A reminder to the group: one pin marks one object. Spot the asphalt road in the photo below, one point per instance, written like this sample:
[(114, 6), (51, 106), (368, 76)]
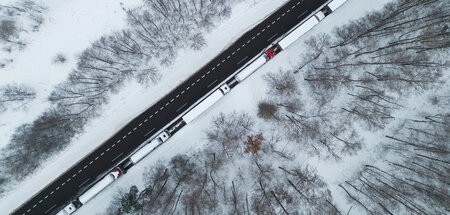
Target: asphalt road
[(92, 167)]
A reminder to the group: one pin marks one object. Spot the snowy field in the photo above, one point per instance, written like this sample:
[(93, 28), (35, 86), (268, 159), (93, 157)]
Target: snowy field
[(244, 97), (88, 21)]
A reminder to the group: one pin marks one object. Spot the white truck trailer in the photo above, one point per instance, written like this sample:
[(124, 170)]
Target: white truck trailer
[(298, 32), (205, 104), (145, 150), (91, 192), (99, 186), (252, 67), (333, 5)]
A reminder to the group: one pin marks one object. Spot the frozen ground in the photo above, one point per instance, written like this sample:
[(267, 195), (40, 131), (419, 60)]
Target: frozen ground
[(244, 98), (69, 35)]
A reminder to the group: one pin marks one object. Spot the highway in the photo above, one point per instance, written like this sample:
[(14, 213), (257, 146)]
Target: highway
[(95, 165)]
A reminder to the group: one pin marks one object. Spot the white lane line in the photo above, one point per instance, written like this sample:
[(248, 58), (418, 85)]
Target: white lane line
[(86, 165), (238, 49), (140, 124), (40, 201), (113, 145), (84, 183), (68, 179), (243, 45), (30, 210), (198, 80), (273, 22), (278, 18), (233, 53), (283, 14), (117, 157), (288, 11), (161, 108), (63, 183), (293, 7), (213, 68), (187, 88), (228, 57), (182, 92), (272, 37), (211, 83), (177, 96), (253, 37), (172, 100), (118, 141), (74, 175), (51, 193), (258, 34), (48, 209), (263, 30), (134, 129), (268, 26), (146, 120), (193, 83), (129, 133), (149, 132), (224, 59), (302, 14), (34, 206), (124, 137), (57, 188), (218, 64), (79, 171), (208, 72), (102, 154), (46, 197), (91, 162), (242, 60), (298, 3), (248, 41), (181, 107), (96, 158)]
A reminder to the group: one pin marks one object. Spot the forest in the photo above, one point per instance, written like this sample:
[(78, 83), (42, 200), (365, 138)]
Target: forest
[(384, 74)]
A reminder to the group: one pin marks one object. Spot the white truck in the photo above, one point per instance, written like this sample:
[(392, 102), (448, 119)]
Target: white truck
[(298, 32), (91, 192), (145, 150), (249, 69), (206, 103), (333, 5)]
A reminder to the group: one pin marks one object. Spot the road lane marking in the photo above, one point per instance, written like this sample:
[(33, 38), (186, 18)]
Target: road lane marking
[(116, 157), (129, 133), (146, 120), (84, 183), (91, 162), (302, 14), (149, 132), (140, 124), (211, 83), (242, 60), (113, 145), (102, 154), (181, 107), (272, 37), (48, 209)]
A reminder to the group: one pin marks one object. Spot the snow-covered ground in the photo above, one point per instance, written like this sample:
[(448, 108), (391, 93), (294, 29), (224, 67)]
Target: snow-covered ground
[(244, 97), (71, 27)]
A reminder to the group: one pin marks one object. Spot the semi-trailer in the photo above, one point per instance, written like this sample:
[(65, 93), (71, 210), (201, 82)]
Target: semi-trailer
[(91, 192), (298, 32), (333, 5), (250, 68)]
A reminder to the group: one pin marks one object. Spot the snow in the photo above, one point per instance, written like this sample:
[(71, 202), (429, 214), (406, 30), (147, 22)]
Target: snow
[(192, 136), (87, 22), (69, 28)]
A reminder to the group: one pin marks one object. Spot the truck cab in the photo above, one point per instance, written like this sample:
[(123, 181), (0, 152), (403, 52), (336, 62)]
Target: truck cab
[(272, 51), (69, 209)]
